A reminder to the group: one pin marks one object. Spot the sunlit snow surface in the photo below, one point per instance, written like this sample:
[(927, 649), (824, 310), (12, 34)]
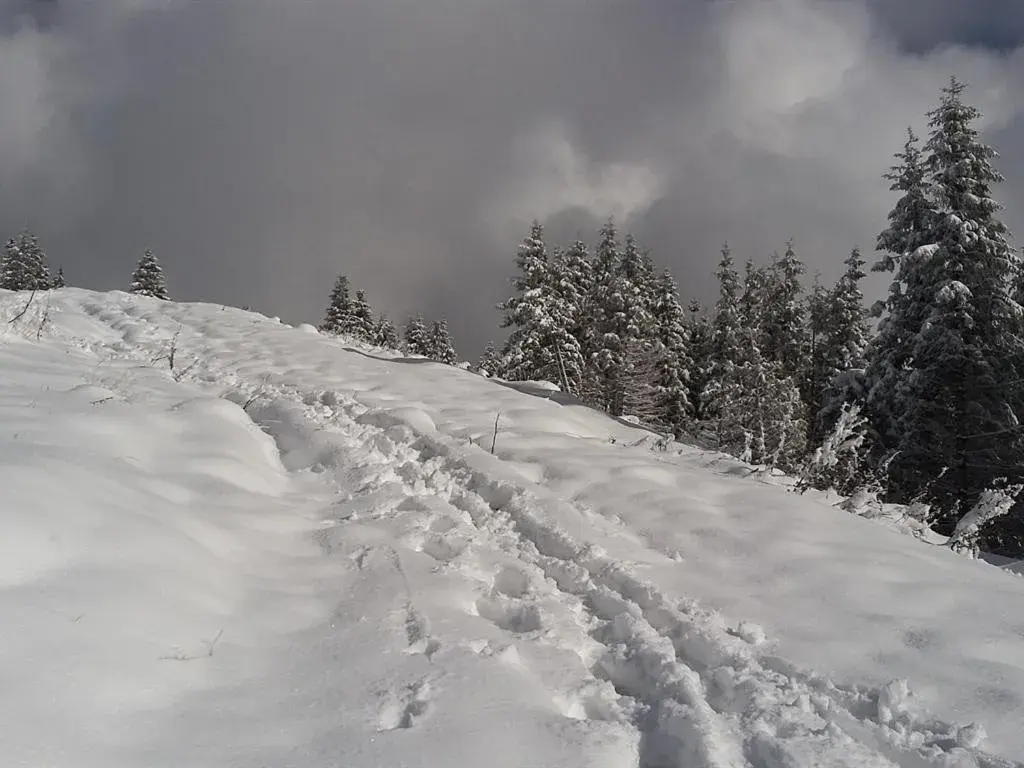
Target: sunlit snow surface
[(340, 573)]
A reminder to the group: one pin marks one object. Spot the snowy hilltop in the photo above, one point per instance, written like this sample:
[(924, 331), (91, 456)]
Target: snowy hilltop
[(231, 542)]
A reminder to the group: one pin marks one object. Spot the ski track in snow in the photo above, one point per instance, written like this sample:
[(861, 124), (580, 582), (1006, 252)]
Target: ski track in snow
[(699, 693)]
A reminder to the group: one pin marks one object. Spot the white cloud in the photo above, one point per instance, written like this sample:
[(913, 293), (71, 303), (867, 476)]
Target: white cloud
[(553, 175)]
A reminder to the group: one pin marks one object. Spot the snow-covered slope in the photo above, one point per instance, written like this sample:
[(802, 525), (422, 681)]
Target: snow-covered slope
[(285, 552)]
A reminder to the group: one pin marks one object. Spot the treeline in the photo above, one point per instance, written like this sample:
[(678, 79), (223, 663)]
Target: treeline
[(354, 317), (926, 411), (24, 267)]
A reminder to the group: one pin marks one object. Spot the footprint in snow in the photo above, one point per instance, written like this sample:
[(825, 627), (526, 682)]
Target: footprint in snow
[(403, 709)]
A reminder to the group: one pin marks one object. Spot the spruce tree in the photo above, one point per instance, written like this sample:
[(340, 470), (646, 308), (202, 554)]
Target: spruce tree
[(489, 363), (911, 226), (785, 340), (362, 324), (724, 352), (959, 431), (416, 337), (385, 335), (673, 363), (148, 278), (543, 315), (603, 347), (58, 279), (338, 317), (761, 417), (441, 347), (700, 336), (23, 266), (844, 343)]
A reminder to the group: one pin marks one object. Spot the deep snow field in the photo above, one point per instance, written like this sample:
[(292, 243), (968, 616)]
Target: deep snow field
[(289, 552)]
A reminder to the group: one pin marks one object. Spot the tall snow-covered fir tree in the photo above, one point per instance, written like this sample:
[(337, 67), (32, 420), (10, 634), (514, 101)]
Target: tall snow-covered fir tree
[(573, 279), (700, 360), (362, 324), (338, 317), (442, 349), (148, 278), (629, 334), (490, 361), (543, 316), (958, 430), (785, 330), (385, 335), (761, 418), (845, 344), (416, 337), (911, 226), (23, 265), (603, 347), (673, 364), (724, 348)]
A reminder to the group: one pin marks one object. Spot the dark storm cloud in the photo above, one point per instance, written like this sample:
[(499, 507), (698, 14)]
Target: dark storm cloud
[(261, 146)]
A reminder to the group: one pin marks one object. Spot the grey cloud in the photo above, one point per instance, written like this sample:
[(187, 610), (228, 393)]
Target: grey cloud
[(260, 146)]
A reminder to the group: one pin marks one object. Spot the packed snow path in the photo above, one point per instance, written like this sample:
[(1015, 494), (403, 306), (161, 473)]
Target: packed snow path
[(439, 605)]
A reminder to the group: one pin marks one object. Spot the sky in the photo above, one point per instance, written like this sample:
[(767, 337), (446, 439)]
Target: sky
[(261, 147)]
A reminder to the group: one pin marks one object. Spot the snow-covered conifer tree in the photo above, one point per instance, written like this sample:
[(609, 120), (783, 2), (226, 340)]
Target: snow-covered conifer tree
[(959, 427), (58, 279), (23, 266), (362, 323), (761, 419), (148, 278), (385, 335), (417, 337), (785, 331), (338, 317), (441, 347), (700, 341), (911, 226), (543, 314), (489, 363), (674, 362), (845, 340), (724, 351)]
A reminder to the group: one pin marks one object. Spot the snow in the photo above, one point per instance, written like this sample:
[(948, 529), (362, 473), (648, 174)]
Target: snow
[(285, 552)]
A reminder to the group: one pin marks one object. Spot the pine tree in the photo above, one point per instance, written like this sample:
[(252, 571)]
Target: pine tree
[(754, 300), (959, 431), (785, 340), (700, 334), (603, 347), (148, 278), (912, 217), (761, 417), (23, 266), (385, 335), (911, 226), (416, 337), (338, 318), (674, 362), (441, 347), (489, 363), (362, 324), (58, 279), (820, 371), (724, 351), (543, 314)]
